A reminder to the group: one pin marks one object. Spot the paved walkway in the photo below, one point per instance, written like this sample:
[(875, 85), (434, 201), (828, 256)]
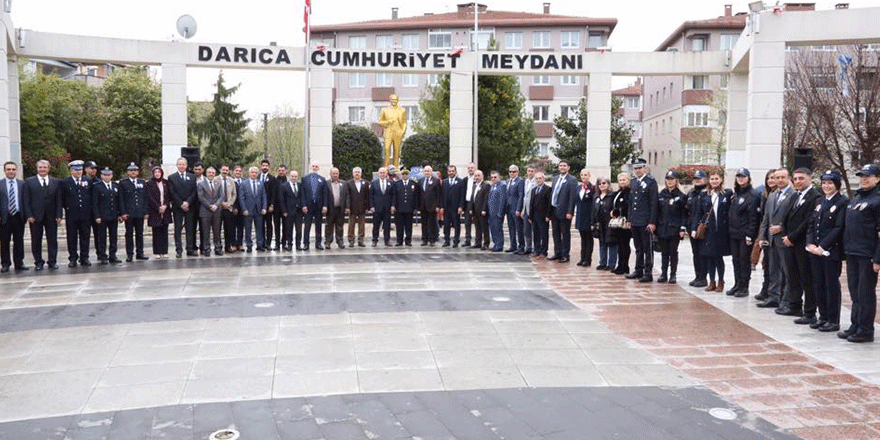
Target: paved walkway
[(409, 343)]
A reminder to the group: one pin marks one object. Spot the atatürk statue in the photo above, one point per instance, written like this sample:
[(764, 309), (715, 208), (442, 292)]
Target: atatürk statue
[(393, 120)]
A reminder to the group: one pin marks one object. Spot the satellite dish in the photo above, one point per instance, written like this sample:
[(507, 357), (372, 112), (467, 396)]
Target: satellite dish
[(186, 26)]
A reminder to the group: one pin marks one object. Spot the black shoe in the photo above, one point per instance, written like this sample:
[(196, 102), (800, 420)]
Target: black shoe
[(829, 327), (700, 283), (564, 260), (319, 247), (114, 260), (446, 244), (179, 254), (692, 282), (38, 266), (663, 278), (646, 279), (361, 244), (467, 243), (484, 248), (672, 280), (553, 258), (455, 243), (52, 266), (85, 263), (579, 263), (806, 320), (388, 243), (843, 334), (768, 304), (815, 325), (142, 258), (396, 244), (375, 243), (860, 337), (4, 269), (633, 276), (761, 297), (424, 243), (71, 264), (249, 249), (103, 262), (788, 311), (192, 254), (601, 267), (341, 246), (432, 243), (502, 250), (21, 268), (509, 250), (476, 246), (218, 252), (741, 293)]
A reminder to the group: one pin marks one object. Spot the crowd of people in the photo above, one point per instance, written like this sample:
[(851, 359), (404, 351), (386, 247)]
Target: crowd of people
[(804, 236)]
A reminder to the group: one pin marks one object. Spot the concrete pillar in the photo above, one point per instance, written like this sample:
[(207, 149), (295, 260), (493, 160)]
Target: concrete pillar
[(14, 114), (5, 146), (320, 120), (461, 119), (599, 125), (765, 101), (174, 114), (737, 116)]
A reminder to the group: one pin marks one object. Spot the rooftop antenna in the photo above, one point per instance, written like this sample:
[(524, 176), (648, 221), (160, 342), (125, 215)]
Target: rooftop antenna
[(186, 26)]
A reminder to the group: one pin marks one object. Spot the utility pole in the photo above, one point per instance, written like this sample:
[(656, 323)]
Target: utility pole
[(265, 136)]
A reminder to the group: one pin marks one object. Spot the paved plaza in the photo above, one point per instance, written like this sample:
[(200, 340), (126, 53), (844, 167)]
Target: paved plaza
[(412, 343)]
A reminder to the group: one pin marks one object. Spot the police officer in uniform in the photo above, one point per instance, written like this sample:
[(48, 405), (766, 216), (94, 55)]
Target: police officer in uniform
[(672, 205), (105, 202), (76, 196), (405, 200), (862, 248), (825, 247), (745, 219), (133, 209), (700, 182), (643, 217), (90, 173)]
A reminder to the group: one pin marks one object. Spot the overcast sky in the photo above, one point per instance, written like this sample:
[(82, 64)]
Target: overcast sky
[(642, 25)]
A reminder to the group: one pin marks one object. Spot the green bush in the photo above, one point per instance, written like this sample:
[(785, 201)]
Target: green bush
[(430, 147), (355, 146)]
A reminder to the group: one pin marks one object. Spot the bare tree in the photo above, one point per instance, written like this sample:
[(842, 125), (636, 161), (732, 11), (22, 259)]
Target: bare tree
[(285, 136)]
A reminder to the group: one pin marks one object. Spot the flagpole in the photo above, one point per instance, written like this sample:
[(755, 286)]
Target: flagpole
[(476, 50), (307, 15)]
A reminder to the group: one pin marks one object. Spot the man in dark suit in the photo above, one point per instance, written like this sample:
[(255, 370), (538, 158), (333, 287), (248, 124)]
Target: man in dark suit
[(42, 209), (357, 192), (76, 195), (106, 211), (776, 209), (515, 191), (496, 209), (253, 206), (237, 217), (381, 203), (481, 217), (229, 195), (184, 199), (429, 206), (133, 209), (210, 211), (450, 193), (540, 211), (643, 209), (314, 204), (198, 170), (801, 300), (406, 200), (277, 215), (563, 198), (466, 203), (291, 210), (271, 186), (12, 219)]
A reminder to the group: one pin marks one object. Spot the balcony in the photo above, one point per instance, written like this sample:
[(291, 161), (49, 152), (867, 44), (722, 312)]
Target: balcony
[(696, 97), (541, 93)]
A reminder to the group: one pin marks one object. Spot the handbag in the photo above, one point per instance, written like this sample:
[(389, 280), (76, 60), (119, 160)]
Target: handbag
[(703, 227), (617, 222), (755, 256), (655, 243)]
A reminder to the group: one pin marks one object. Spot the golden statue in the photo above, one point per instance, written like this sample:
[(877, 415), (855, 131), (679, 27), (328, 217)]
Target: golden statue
[(393, 120)]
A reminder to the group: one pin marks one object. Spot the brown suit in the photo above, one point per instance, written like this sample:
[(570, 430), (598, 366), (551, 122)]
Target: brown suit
[(358, 202)]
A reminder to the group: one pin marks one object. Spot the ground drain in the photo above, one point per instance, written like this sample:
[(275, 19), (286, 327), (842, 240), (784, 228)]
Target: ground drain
[(722, 413), (224, 434)]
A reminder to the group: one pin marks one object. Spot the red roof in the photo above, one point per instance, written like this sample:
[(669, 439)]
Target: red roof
[(632, 90), (466, 20), (733, 22)]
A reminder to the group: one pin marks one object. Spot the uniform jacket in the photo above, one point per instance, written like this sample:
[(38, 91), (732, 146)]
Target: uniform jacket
[(862, 225), (825, 228), (566, 197), (406, 196), (4, 199), (798, 217), (745, 213), (106, 203), (358, 201), (717, 242), (497, 204), (429, 198), (313, 192), (252, 202), (585, 202), (692, 200), (76, 195), (132, 198), (643, 201), (183, 189), (380, 201), (673, 213)]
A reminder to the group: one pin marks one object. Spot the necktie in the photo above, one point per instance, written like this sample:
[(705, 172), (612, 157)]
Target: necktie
[(383, 186), (426, 184), (43, 182), (254, 186), (13, 207), (108, 186), (211, 184), (556, 188), (294, 189)]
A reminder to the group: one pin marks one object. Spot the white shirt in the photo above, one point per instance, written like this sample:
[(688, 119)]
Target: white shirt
[(470, 189)]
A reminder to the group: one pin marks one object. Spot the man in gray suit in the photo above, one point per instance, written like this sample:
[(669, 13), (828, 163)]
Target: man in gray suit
[(210, 210), (523, 211), (781, 256), (253, 207)]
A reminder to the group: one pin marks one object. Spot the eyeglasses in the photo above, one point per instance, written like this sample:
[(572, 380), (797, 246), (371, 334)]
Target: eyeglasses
[(512, 171)]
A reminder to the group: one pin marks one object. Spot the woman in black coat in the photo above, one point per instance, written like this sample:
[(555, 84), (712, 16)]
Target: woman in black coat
[(825, 245), (671, 228), (745, 211), (601, 216), (159, 210), (620, 209), (713, 207), (583, 222)]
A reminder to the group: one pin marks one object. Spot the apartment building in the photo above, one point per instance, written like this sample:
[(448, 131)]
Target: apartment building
[(359, 97), (91, 74), (631, 109)]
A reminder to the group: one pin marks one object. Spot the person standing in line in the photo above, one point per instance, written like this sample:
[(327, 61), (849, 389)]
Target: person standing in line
[(563, 199), (289, 203), (337, 203), (825, 245), (229, 191), (643, 218), (211, 199), (253, 205), (237, 216), (671, 229), (466, 203), (199, 174), (276, 215), (601, 217), (106, 202), (540, 211), (584, 219), (381, 206), (450, 194), (77, 198), (714, 209), (765, 191), (183, 198), (133, 210), (43, 211), (523, 209), (159, 210), (429, 205), (480, 203), (12, 219), (778, 205), (314, 204), (801, 298), (405, 202), (496, 209), (270, 185), (744, 221), (515, 188), (621, 232), (700, 181), (357, 192)]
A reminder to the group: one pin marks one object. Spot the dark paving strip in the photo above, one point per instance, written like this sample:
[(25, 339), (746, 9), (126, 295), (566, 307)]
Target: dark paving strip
[(265, 259), (534, 413), (180, 309)]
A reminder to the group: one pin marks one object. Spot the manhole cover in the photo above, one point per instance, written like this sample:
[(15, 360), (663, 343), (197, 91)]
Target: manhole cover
[(264, 305), (722, 413), (501, 299), (224, 434)]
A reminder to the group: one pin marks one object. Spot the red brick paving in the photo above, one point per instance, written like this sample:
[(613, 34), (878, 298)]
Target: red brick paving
[(784, 386)]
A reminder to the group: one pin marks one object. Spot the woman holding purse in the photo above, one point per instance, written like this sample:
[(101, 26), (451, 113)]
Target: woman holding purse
[(159, 210), (671, 229), (601, 217), (619, 223), (584, 223), (713, 208)]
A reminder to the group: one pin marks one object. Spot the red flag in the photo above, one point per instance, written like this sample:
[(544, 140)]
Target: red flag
[(307, 12)]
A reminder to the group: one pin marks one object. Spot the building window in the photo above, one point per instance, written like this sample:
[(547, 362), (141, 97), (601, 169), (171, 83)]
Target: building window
[(384, 80), (570, 112), (439, 39), (871, 46), (543, 148), (596, 40), (822, 77), (433, 79), (411, 42), (824, 47), (356, 114), (357, 42), (483, 38), (384, 42), (412, 113), (410, 80), (700, 82), (632, 102), (663, 126), (92, 71), (541, 113), (326, 42), (513, 40), (541, 39), (698, 44), (357, 80), (377, 112), (697, 119), (540, 80), (698, 154), (570, 39), (664, 92), (728, 41), (569, 80), (725, 79)]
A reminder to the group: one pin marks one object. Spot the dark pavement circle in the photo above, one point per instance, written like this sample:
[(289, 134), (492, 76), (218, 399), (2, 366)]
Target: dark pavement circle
[(181, 309), (636, 413)]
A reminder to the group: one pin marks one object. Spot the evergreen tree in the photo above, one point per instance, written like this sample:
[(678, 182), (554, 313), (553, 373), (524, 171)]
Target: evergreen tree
[(225, 128), (571, 137)]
